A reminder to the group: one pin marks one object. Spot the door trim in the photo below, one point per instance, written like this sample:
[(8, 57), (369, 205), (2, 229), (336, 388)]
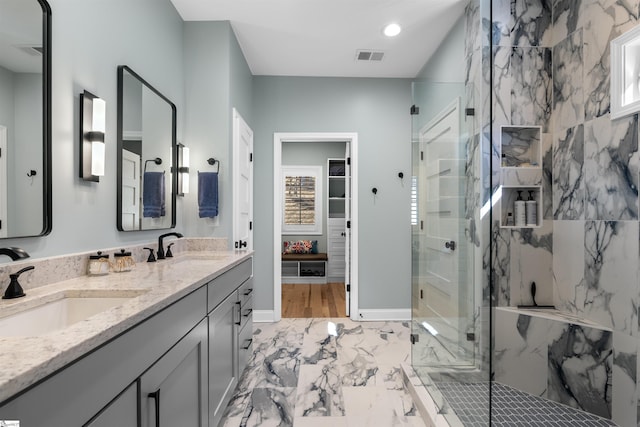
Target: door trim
[(278, 139)]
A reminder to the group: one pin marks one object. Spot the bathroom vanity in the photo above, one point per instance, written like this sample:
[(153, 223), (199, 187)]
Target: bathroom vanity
[(170, 354)]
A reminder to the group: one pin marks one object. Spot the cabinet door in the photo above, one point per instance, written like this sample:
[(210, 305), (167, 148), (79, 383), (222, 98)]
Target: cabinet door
[(222, 356), (173, 390), (121, 412)]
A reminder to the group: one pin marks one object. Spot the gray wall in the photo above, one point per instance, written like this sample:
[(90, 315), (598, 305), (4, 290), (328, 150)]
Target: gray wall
[(24, 213), (442, 78), (20, 104), (217, 79), (378, 110), (90, 39)]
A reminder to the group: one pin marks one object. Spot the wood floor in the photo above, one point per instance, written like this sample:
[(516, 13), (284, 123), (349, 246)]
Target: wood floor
[(313, 300)]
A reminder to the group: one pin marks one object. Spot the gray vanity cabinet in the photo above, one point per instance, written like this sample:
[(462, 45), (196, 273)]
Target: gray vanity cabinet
[(245, 329), (173, 391), (121, 412), (222, 366), (179, 366), (226, 295)]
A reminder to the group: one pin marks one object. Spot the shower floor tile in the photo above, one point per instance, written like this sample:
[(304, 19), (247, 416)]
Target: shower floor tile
[(511, 407)]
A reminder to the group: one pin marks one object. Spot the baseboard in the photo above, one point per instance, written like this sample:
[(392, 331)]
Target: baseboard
[(384, 314), (396, 314), (263, 316)]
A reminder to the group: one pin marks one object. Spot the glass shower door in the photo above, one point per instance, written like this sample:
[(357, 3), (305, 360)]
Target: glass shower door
[(443, 300)]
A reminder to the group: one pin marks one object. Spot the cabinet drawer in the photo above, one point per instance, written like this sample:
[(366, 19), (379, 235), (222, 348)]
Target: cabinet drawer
[(246, 292), (245, 313), (222, 286), (245, 347)]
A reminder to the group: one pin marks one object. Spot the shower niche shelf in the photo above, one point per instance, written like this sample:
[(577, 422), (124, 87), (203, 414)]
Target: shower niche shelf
[(507, 202), (520, 146)]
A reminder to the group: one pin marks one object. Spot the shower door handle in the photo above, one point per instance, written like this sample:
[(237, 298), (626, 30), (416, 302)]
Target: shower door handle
[(450, 245)]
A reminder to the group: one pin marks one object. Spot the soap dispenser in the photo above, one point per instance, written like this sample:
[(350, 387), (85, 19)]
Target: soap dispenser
[(519, 210), (531, 208)]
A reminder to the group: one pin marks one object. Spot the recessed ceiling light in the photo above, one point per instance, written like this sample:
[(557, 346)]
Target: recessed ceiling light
[(392, 30)]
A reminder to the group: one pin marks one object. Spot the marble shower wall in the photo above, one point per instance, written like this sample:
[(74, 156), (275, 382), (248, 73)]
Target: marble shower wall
[(552, 69), (522, 91)]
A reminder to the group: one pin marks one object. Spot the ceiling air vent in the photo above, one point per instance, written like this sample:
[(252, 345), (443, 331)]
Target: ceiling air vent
[(369, 55)]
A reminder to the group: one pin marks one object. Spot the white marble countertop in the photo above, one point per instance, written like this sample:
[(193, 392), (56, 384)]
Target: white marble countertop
[(151, 286)]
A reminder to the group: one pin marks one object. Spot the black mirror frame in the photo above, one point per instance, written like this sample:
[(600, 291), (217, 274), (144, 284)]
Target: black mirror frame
[(120, 145), (47, 178)]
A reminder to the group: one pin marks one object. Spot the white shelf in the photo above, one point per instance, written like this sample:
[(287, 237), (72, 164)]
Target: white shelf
[(507, 201)]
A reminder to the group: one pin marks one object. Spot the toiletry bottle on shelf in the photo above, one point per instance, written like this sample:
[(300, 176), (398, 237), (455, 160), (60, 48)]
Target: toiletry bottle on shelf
[(519, 209), (510, 222), (531, 209)]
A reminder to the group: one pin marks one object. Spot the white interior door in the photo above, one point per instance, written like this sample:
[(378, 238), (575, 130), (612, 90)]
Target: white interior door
[(242, 183), (3, 181), (130, 190), (441, 211), (347, 228)]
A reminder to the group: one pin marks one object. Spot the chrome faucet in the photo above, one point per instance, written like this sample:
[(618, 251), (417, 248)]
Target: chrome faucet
[(160, 254), (14, 253)]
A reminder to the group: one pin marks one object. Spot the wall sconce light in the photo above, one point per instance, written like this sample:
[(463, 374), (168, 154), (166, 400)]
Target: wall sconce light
[(92, 129), (183, 170)]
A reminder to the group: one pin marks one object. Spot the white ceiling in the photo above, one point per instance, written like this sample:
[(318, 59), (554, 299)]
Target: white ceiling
[(321, 37)]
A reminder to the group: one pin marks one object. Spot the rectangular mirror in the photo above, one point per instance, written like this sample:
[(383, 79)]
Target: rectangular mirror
[(147, 150), (25, 118)]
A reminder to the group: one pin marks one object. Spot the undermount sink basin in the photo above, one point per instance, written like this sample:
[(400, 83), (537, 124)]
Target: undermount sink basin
[(58, 314)]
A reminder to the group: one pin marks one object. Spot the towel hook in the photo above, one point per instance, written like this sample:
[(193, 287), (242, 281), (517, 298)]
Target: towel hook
[(213, 161), (157, 161)]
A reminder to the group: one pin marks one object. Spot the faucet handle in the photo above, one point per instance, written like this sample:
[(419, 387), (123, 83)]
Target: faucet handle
[(152, 257), (169, 254), (14, 290)]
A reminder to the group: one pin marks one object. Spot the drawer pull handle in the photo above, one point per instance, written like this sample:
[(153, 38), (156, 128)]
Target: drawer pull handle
[(249, 342), (239, 321), (248, 292), (156, 397), (248, 312)]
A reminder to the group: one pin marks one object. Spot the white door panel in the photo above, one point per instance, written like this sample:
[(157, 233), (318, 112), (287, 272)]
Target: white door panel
[(130, 190), (242, 183)]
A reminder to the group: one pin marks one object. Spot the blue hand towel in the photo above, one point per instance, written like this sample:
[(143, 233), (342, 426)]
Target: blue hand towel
[(208, 194), (153, 195)]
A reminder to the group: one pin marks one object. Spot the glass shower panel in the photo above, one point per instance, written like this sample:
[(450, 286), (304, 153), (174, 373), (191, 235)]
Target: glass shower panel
[(447, 263)]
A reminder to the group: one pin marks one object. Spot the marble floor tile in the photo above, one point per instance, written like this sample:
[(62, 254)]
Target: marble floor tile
[(270, 407), (325, 372), (320, 391), (320, 422)]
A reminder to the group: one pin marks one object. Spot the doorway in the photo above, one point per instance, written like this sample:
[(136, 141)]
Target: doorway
[(350, 227)]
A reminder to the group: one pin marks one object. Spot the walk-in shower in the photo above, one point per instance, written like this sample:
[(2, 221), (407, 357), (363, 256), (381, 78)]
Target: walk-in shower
[(511, 112)]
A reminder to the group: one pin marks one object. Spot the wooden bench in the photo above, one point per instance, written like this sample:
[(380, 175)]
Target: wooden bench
[(304, 268)]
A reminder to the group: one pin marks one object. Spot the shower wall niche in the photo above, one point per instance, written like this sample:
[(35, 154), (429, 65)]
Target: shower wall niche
[(520, 146)]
